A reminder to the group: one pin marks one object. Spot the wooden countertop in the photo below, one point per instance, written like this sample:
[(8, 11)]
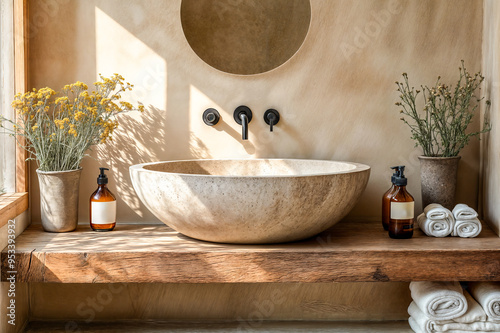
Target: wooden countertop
[(350, 251)]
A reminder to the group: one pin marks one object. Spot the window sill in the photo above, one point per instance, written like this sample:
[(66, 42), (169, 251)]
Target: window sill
[(12, 205)]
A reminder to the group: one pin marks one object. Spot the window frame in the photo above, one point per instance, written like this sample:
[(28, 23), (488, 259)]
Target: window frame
[(13, 204)]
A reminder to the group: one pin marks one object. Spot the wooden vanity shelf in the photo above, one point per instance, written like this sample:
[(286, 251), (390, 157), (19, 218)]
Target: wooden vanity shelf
[(214, 327), (350, 251)]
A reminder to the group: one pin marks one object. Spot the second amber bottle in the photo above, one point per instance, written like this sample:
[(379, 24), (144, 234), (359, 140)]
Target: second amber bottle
[(402, 208)]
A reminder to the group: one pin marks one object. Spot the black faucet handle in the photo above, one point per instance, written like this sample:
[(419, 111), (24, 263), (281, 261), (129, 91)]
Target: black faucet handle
[(211, 117), (271, 117)]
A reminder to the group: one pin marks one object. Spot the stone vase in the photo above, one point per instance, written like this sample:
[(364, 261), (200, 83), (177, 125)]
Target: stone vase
[(59, 199), (439, 180)]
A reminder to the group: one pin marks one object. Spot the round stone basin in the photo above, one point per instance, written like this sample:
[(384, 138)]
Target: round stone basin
[(250, 201)]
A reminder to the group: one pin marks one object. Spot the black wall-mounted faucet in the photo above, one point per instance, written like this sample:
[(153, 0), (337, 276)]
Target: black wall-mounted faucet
[(243, 115), (271, 117)]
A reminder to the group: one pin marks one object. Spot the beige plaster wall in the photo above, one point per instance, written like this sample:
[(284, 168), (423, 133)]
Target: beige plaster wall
[(336, 97), (491, 142)]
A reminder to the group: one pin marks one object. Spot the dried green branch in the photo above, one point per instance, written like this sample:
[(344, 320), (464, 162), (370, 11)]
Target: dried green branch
[(441, 128)]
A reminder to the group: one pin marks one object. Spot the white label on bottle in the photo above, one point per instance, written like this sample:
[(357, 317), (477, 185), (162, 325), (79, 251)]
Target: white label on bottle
[(103, 212), (402, 210)]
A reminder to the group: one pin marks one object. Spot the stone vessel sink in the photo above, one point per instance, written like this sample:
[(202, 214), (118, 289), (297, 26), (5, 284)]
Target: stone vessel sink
[(250, 201)]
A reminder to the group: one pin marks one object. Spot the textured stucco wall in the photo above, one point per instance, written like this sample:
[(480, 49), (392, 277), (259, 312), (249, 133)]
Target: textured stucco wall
[(336, 97), (491, 143)]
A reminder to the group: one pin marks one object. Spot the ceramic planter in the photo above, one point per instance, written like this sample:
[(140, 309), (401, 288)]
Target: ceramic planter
[(59, 199), (439, 180)]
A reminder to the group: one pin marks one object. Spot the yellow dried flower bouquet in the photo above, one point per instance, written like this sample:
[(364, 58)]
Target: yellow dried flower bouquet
[(60, 127)]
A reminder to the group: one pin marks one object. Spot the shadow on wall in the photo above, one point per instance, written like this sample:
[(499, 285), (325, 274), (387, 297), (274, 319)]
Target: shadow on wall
[(345, 79), (197, 148), (138, 139)]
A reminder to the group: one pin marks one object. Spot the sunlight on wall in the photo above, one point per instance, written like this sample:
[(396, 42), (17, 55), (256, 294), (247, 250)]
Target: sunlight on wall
[(119, 51), (491, 142), (224, 139), (7, 144)]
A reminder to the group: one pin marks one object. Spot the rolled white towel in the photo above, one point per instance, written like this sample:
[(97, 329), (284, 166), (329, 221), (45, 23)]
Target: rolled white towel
[(439, 300), (464, 212), (475, 313), (436, 228), (478, 327), (471, 329), (418, 326), (467, 228), (488, 295), (437, 212), (462, 331), (423, 322)]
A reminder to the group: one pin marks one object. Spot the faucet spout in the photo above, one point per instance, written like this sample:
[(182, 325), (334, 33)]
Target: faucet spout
[(243, 116), (244, 126)]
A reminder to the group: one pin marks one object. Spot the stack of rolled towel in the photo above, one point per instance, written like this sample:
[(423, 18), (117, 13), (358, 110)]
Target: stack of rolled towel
[(447, 307), (466, 222), (438, 221)]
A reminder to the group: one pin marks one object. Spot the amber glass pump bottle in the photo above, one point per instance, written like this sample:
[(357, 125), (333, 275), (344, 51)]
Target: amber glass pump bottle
[(402, 208), (386, 201), (102, 205)]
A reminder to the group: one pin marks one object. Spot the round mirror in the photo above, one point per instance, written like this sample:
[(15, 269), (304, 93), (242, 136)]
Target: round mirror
[(245, 36)]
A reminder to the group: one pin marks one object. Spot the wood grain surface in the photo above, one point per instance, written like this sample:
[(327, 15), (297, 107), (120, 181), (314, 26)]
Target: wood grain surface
[(21, 85), (222, 302), (12, 205), (268, 327), (355, 251)]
